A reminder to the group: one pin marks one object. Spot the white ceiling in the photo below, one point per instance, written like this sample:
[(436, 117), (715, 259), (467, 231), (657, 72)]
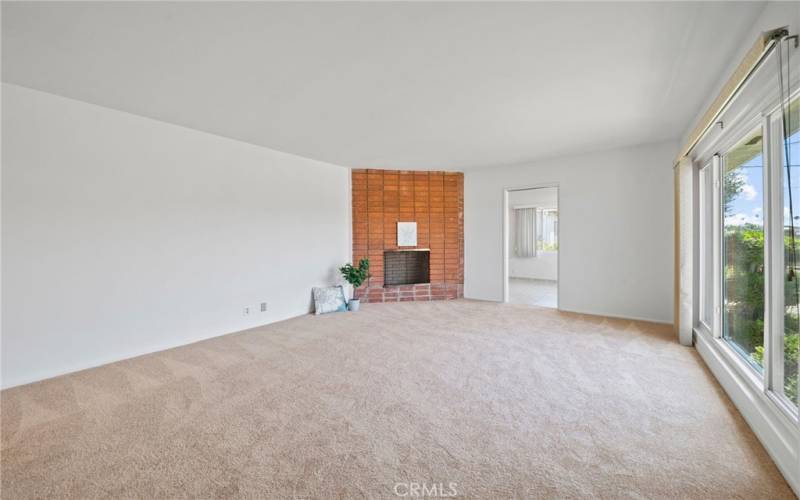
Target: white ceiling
[(392, 85)]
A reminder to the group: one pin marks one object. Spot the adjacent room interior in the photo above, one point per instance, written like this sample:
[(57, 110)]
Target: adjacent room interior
[(400, 250), (532, 247)]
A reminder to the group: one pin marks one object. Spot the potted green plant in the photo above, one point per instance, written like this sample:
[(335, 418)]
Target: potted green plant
[(355, 276)]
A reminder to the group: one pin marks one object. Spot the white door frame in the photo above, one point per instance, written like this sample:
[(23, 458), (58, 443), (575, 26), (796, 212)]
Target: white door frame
[(506, 235)]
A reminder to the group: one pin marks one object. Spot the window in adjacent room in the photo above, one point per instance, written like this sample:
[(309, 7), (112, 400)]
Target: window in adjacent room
[(547, 237)]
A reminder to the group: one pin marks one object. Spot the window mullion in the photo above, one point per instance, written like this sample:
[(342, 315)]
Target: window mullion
[(773, 276), (773, 342), (717, 246)]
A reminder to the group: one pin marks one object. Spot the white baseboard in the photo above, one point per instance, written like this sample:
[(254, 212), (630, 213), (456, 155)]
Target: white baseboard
[(617, 316), (31, 378), (590, 313), (528, 278), (777, 433)]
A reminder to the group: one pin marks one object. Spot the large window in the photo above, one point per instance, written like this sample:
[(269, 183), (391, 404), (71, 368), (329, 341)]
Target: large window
[(749, 249), (743, 248)]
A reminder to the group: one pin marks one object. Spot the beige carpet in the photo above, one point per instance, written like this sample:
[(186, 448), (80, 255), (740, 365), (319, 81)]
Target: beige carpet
[(505, 401)]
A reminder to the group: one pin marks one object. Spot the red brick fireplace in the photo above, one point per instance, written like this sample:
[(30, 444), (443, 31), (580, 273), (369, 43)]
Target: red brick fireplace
[(435, 201)]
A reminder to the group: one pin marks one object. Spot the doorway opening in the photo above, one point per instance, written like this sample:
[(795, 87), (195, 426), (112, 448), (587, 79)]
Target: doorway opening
[(532, 244)]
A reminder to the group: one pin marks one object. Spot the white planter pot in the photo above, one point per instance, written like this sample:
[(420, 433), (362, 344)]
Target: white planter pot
[(354, 304)]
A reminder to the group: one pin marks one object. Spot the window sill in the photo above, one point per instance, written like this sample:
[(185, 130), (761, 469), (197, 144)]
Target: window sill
[(745, 372)]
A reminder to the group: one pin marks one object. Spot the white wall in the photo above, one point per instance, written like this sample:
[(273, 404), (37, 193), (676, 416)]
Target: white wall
[(122, 235), (545, 265), (615, 219)]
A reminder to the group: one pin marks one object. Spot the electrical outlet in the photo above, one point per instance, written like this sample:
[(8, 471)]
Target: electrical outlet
[(246, 311), (263, 307)]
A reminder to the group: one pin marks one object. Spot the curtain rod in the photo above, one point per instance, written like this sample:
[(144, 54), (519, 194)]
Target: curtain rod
[(771, 38)]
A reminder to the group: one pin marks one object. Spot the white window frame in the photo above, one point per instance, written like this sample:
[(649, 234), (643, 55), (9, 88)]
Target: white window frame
[(743, 368), (774, 349), (706, 240), (716, 224), (757, 126)]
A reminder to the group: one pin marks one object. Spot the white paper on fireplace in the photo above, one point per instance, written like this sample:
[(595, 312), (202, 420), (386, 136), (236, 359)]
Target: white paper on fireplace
[(406, 234)]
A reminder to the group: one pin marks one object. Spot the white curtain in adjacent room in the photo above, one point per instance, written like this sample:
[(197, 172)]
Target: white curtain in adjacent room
[(525, 244)]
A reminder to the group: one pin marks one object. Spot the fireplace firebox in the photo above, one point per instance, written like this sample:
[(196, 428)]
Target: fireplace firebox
[(406, 267)]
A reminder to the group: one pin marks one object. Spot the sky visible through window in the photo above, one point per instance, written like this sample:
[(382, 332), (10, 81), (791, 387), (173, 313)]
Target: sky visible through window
[(748, 207), (794, 156)]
